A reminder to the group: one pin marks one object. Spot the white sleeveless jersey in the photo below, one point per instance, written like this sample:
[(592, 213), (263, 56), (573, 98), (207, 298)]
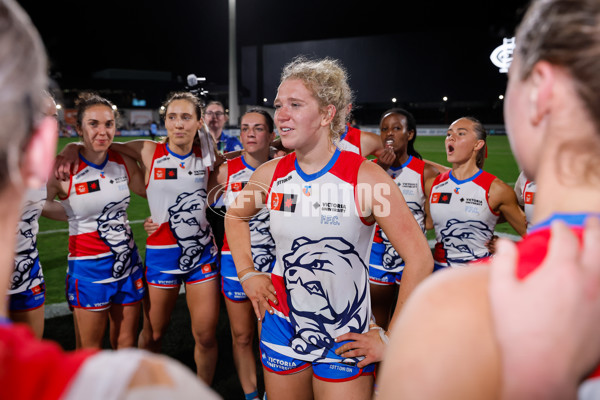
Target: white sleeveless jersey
[(350, 140), (322, 243), (96, 207), (525, 191), (263, 246), (177, 191), (28, 273), (409, 178), (462, 218)]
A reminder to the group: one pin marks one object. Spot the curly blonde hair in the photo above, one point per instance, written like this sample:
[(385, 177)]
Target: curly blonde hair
[(327, 80)]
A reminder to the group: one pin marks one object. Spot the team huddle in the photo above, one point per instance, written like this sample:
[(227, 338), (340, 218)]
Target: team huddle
[(324, 251), (323, 271)]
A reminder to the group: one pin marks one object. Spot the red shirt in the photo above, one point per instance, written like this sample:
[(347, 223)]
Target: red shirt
[(32, 368)]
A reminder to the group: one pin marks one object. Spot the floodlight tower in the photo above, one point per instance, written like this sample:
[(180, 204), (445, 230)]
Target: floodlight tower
[(234, 109)]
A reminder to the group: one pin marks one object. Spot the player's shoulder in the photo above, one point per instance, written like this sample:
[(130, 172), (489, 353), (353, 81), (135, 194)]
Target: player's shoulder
[(451, 290)]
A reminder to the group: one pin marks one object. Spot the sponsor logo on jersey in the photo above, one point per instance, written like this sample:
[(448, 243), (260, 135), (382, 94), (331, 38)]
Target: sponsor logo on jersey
[(36, 290), (529, 197), (476, 202), (165, 173), (330, 220), (307, 190), (238, 186), (284, 202), (206, 268), (87, 187), (102, 175), (182, 165), (139, 284), (333, 207), (283, 180), (456, 190), (441, 198)]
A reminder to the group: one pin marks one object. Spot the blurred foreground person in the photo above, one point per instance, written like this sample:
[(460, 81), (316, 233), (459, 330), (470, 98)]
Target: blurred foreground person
[(30, 368)]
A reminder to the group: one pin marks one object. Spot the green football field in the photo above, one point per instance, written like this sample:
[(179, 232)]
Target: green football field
[(53, 236)]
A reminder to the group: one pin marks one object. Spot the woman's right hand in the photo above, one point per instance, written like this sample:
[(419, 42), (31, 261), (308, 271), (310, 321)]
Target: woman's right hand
[(386, 158), (66, 162), (150, 226), (260, 291)]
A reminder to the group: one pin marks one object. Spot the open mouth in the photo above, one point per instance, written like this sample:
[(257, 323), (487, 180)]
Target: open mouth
[(450, 149), (389, 142)]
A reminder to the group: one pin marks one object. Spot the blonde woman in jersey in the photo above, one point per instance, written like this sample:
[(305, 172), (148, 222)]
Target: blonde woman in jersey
[(466, 202), (182, 250), (105, 273), (318, 289)]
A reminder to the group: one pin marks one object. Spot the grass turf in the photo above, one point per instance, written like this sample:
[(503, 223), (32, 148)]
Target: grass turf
[(53, 237)]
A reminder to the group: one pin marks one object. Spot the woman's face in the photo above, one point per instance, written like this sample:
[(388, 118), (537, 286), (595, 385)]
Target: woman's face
[(461, 141), (215, 117), (254, 133), (297, 114), (394, 132), (97, 127), (181, 122)]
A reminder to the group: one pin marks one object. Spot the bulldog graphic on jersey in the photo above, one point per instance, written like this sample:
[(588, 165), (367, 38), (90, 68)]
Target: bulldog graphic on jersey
[(25, 260), (391, 260), (263, 253), (320, 300), (460, 239), (116, 233), (417, 211), (190, 235)]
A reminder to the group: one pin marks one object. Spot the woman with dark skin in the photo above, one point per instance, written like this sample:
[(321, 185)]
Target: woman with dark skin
[(398, 134)]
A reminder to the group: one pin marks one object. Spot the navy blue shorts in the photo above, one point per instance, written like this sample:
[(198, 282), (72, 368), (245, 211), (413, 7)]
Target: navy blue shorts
[(281, 364), (202, 273), (28, 300), (377, 274), (100, 296), (275, 333)]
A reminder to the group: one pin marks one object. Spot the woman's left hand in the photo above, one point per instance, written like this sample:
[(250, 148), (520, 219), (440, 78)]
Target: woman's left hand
[(368, 344)]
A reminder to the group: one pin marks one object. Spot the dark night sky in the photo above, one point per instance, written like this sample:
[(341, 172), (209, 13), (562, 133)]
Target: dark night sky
[(181, 37)]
